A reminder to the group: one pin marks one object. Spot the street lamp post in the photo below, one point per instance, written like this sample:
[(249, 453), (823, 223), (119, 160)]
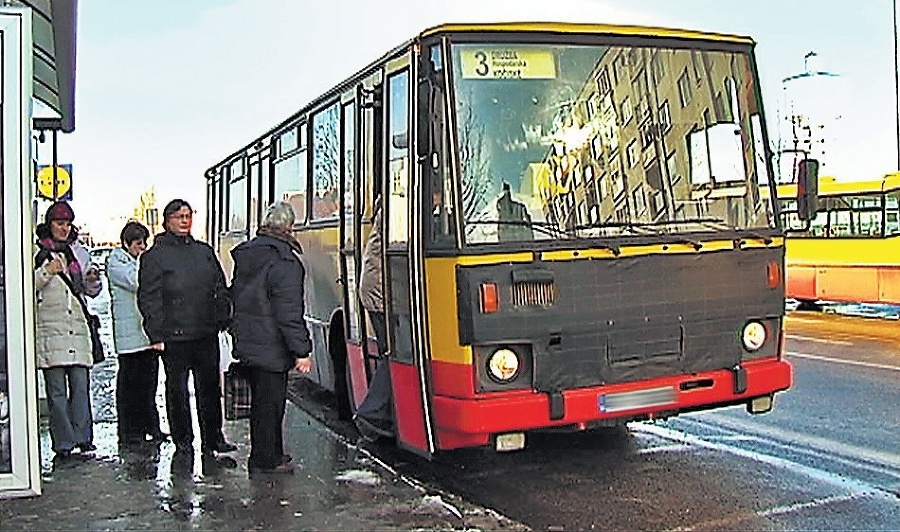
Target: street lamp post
[(896, 85)]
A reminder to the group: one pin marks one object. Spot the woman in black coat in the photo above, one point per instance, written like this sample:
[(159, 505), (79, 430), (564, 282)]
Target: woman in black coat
[(269, 329), (184, 302)]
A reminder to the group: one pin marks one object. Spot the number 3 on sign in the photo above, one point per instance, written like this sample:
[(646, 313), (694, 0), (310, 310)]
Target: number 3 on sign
[(482, 69)]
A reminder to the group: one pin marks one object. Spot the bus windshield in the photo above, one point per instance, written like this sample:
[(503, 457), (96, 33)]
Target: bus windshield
[(576, 141)]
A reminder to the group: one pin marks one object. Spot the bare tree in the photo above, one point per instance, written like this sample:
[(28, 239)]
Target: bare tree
[(326, 161), (475, 177)]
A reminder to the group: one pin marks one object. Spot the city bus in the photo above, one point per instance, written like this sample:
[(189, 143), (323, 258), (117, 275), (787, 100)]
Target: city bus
[(578, 230), (851, 250)]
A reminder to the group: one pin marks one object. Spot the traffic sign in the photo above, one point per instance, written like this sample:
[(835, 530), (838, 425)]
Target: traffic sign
[(63, 188)]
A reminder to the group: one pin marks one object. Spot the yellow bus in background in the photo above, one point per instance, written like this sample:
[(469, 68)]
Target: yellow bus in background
[(851, 250)]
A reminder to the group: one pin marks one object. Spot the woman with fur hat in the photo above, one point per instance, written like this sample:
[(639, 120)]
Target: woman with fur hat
[(63, 336)]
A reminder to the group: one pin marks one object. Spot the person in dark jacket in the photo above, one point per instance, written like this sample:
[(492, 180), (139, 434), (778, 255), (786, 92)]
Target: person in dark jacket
[(269, 330), (184, 302)]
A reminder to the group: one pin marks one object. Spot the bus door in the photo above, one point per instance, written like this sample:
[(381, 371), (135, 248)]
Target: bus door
[(359, 123), (361, 142), (404, 268)]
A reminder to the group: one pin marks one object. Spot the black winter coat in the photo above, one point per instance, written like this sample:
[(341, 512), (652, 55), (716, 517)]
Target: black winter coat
[(267, 289), (181, 290)]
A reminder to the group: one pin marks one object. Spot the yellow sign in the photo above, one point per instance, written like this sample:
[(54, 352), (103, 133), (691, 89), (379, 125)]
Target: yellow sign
[(63, 182), (507, 63)]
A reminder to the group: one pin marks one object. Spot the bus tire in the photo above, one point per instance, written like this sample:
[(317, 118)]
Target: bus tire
[(808, 304), (343, 385)]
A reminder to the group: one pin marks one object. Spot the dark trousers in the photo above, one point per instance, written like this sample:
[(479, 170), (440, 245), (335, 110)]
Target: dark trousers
[(380, 330), (136, 383), (268, 393), (377, 404), (200, 357)]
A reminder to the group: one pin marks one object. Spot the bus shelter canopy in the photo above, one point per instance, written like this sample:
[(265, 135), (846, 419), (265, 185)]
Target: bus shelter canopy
[(53, 31)]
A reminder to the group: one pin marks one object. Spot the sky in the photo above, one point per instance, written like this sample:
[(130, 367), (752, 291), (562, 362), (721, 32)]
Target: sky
[(167, 88)]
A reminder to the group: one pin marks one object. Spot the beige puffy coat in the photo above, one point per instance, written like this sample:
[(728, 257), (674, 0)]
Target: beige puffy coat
[(370, 290), (62, 335)]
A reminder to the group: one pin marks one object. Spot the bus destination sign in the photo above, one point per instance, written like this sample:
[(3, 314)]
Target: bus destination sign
[(507, 63)]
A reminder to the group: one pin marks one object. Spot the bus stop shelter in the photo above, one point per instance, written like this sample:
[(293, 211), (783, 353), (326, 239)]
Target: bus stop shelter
[(37, 64), (53, 34)]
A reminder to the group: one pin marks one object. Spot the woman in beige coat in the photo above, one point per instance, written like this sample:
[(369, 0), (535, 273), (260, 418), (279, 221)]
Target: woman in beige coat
[(63, 339)]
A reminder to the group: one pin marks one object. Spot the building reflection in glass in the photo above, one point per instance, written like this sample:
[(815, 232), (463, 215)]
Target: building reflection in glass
[(607, 141)]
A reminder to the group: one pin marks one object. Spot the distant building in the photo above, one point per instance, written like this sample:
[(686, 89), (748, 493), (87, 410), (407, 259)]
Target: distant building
[(147, 212)]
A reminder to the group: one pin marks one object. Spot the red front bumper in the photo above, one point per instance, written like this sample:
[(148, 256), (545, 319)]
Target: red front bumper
[(471, 422)]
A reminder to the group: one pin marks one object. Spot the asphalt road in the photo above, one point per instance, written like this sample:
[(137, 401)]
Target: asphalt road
[(827, 457)]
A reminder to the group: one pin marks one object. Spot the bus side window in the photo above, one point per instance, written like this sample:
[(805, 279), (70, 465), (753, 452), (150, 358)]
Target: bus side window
[(892, 214), (397, 230), (326, 167), (892, 223)]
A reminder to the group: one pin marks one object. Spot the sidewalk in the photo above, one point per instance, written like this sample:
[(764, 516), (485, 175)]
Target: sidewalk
[(337, 486)]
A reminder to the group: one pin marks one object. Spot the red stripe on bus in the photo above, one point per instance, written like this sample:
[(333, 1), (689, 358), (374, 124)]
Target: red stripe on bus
[(409, 412), (355, 366)]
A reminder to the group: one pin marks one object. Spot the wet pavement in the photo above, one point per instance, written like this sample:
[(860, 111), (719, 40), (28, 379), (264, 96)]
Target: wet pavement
[(337, 484)]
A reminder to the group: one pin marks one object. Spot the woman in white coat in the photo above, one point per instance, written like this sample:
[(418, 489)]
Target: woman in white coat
[(62, 335), (138, 375)]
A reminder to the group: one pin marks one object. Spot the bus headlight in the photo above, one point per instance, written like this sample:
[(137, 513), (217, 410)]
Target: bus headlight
[(754, 335), (503, 365)]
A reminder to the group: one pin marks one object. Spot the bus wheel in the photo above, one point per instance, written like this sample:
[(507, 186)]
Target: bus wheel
[(808, 304), (348, 393), (342, 390), (343, 385)]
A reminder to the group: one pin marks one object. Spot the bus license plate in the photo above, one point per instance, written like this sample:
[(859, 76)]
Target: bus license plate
[(615, 402)]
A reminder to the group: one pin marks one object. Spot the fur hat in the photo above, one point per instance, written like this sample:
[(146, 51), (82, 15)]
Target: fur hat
[(60, 210)]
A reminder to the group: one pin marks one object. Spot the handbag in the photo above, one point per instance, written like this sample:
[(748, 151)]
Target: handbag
[(93, 322), (97, 352), (237, 391)]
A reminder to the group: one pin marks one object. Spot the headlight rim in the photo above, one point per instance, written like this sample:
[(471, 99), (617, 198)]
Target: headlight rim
[(490, 373), (748, 342)]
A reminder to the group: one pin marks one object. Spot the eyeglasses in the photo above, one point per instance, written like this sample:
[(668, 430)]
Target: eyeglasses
[(177, 216)]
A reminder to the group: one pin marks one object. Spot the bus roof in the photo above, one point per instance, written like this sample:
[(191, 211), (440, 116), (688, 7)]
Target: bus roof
[(572, 27), (831, 186), (496, 27)]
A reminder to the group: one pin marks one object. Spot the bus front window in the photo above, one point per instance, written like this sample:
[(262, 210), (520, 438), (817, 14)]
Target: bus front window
[(562, 141)]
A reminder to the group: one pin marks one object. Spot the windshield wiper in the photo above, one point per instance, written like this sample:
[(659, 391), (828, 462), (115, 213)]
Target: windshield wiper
[(649, 228), (717, 224), (677, 238), (547, 228)]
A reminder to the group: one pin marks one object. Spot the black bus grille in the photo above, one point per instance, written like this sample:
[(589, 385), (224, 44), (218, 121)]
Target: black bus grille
[(532, 294)]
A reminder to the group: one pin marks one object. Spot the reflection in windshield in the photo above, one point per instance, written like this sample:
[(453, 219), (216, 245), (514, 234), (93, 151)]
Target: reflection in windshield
[(591, 139)]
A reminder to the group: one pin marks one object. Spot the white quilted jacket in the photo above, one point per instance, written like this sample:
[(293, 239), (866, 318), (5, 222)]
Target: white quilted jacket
[(62, 336)]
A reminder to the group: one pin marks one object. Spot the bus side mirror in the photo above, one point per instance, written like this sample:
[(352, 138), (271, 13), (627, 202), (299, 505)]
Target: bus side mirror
[(423, 125), (807, 189)]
